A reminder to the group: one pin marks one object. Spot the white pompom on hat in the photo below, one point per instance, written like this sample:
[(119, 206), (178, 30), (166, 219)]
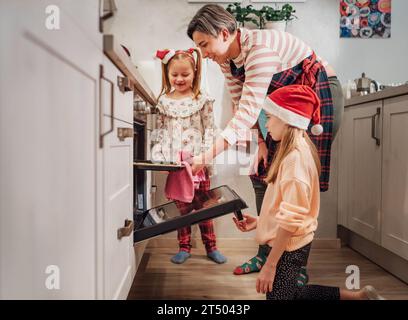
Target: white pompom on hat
[(296, 105)]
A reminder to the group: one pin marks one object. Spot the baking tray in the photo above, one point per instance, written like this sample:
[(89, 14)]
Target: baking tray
[(157, 166)]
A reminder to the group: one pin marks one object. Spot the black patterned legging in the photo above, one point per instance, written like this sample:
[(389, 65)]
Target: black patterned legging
[(285, 284)]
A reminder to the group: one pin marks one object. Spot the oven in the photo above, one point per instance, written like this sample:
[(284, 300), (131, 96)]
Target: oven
[(164, 218), (139, 176)]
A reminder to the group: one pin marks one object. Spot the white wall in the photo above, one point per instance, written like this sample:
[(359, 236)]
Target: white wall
[(147, 25), (318, 25), (381, 59)]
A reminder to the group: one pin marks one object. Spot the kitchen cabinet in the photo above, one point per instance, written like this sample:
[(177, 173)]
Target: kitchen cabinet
[(118, 256), (394, 236), (66, 200), (373, 171), (360, 170), (50, 216)]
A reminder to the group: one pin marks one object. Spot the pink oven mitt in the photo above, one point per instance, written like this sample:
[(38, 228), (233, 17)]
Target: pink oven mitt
[(180, 184), (200, 176)]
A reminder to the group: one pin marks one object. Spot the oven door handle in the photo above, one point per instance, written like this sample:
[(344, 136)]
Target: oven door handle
[(127, 230)]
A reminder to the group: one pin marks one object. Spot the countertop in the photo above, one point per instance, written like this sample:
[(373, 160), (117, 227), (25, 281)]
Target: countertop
[(119, 57), (386, 93)]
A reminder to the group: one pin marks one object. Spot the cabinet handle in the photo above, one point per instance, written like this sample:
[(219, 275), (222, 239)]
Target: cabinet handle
[(373, 127), (112, 106), (127, 230), (124, 84), (105, 15), (124, 133)]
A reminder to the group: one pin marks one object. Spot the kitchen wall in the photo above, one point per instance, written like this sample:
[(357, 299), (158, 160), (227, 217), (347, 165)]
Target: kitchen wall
[(165, 22), (145, 26)]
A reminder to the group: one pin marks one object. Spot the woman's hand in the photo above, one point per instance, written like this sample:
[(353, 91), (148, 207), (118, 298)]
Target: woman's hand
[(197, 164), (262, 156), (264, 282), (247, 224)]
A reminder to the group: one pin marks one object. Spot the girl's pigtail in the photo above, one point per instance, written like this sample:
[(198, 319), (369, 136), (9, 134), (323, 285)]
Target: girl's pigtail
[(166, 87), (197, 73)]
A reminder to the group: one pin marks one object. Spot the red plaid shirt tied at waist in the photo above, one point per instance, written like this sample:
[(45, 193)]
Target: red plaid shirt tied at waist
[(309, 72)]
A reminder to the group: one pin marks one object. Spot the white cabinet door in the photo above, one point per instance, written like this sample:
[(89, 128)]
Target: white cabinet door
[(343, 204), (85, 14), (119, 260), (48, 138), (395, 176), (360, 170)]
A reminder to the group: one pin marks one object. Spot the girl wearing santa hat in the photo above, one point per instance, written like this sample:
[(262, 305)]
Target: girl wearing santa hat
[(290, 208), (185, 125)]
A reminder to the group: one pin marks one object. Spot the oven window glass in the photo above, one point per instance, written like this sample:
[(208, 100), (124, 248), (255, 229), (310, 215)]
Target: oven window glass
[(211, 199)]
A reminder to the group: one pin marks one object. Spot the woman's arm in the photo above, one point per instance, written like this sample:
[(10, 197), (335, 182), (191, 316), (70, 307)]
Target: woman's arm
[(261, 64), (206, 158), (233, 85)]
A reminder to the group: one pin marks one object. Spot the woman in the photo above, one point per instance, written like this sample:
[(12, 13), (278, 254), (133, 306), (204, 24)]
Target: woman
[(255, 63)]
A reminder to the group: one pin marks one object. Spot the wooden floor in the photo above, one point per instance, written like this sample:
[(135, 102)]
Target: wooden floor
[(200, 278)]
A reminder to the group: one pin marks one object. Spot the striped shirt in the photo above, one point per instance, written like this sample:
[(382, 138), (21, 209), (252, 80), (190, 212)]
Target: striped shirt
[(263, 54)]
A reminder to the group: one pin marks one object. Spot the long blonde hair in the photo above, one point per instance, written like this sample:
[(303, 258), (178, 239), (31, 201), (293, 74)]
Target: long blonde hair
[(287, 145), (196, 65)]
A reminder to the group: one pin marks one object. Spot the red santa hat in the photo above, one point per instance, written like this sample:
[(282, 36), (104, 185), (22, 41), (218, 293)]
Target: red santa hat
[(296, 105), (167, 54)]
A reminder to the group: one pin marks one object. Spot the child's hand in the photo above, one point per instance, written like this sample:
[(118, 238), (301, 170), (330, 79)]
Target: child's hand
[(265, 279), (247, 224)]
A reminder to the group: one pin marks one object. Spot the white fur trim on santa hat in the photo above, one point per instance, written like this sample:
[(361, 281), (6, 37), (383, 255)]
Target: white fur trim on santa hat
[(168, 56), (286, 115)]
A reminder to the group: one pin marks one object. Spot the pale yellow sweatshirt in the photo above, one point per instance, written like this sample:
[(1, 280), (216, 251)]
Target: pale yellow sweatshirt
[(293, 201)]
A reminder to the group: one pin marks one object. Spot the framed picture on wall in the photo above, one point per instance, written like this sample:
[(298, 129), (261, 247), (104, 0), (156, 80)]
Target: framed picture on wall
[(214, 1), (286, 1), (365, 19)]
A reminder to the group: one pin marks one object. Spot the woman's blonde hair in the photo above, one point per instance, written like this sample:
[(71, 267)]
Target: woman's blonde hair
[(287, 145), (210, 19), (195, 64)]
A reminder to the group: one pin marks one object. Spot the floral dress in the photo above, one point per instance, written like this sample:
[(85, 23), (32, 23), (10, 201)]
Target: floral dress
[(182, 124)]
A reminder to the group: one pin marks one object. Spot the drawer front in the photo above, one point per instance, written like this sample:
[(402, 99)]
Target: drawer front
[(118, 192)]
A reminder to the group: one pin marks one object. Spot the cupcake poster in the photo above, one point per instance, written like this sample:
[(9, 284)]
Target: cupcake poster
[(365, 18)]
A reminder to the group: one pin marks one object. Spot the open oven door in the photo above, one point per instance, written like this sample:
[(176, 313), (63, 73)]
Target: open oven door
[(168, 217)]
